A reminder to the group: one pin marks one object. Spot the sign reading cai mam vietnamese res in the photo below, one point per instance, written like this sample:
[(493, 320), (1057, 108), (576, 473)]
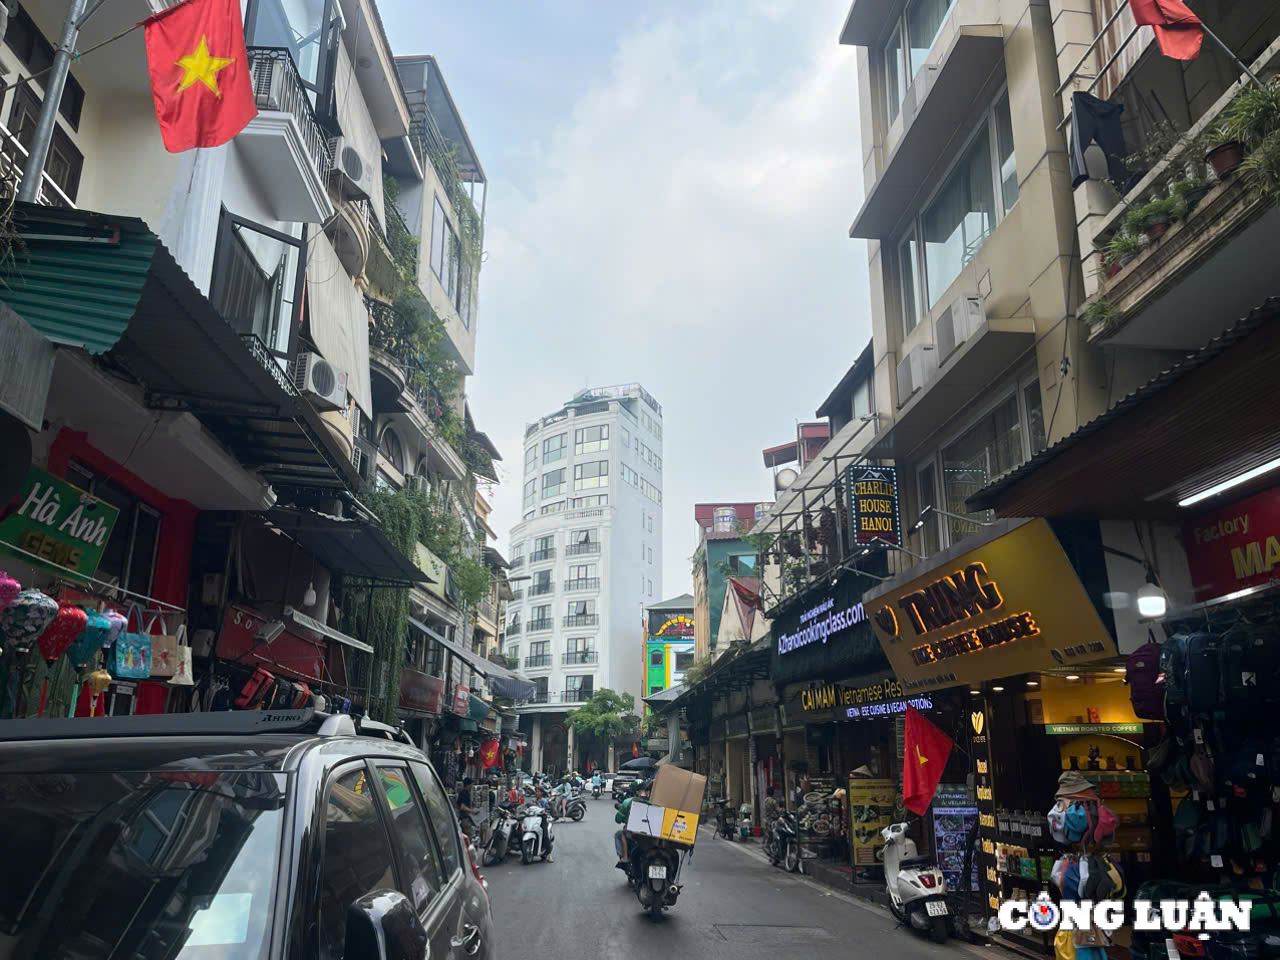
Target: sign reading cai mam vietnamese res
[(61, 524), (873, 504), (1012, 605)]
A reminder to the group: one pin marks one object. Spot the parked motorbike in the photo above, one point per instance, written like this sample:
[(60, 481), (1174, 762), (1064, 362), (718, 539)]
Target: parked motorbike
[(744, 821), (537, 834), (917, 889), (575, 807), (782, 844), (501, 840), (726, 822), (652, 867)]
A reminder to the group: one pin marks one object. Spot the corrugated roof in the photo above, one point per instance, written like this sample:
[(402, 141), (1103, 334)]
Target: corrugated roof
[(682, 602)]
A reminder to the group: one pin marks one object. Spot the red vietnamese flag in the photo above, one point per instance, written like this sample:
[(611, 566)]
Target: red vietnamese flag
[(199, 73), (1178, 30), (488, 753), (925, 749)]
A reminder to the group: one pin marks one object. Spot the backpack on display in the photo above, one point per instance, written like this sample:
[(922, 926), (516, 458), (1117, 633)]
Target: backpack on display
[(1249, 667), (1173, 664), (1203, 679), (1142, 674), (254, 689)]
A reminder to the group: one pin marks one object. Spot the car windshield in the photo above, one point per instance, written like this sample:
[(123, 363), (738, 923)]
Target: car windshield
[(164, 864)]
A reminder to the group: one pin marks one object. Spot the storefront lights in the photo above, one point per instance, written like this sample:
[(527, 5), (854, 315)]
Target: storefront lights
[(998, 689), (1073, 676), (1152, 603), (1235, 481)]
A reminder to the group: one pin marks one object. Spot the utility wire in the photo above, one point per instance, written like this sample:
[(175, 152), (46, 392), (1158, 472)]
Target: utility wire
[(23, 81)]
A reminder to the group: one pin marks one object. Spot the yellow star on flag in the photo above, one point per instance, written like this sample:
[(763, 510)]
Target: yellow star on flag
[(921, 759), (200, 66)]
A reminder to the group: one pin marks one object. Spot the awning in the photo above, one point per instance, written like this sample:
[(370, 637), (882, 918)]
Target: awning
[(106, 283), (346, 545), (1193, 426), (339, 317), (503, 682), (477, 708), (299, 619)]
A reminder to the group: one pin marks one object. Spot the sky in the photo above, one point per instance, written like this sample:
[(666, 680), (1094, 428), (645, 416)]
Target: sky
[(670, 191)]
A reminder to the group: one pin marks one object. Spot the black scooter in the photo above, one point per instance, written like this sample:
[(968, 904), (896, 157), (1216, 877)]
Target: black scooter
[(782, 844), (726, 822), (652, 867)]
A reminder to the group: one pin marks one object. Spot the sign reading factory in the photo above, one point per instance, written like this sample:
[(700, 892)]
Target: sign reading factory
[(1012, 605), (873, 504)]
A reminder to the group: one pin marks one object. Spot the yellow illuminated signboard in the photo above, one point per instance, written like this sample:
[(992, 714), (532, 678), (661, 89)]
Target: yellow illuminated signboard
[(1013, 605)]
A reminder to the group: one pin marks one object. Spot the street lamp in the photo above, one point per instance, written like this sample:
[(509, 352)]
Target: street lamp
[(930, 510)]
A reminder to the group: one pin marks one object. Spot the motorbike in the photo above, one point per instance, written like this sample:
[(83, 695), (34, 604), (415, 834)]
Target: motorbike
[(726, 823), (501, 840), (917, 889), (652, 867), (744, 821), (537, 834), (782, 844), (595, 791), (575, 807)]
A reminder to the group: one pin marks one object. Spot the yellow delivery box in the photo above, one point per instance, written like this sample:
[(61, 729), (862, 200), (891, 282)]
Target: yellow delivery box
[(679, 825)]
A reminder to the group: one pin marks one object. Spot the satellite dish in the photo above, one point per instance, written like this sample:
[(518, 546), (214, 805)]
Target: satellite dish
[(784, 478)]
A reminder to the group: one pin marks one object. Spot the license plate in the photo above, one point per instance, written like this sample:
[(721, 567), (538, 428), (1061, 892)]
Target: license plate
[(936, 908), (657, 871)]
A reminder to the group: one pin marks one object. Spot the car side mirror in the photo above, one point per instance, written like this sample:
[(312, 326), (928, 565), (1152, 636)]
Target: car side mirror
[(382, 925)]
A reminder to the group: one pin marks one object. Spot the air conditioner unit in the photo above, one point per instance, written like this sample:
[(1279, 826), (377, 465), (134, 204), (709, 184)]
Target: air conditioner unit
[(960, 321), (915, 370), (352, 171), (317, 380), (364, 455)]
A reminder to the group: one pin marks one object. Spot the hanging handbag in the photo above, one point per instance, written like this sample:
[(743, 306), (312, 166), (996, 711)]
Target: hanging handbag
[(164, 653), (182, 671), (133, 650)]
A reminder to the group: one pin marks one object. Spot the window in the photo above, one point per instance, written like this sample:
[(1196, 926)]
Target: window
[(551, 508), (629, 475), (588, 475), (581, 537), (601, 500), (439, 226), (36, 54), (986, 450), (684, 660), (299, 27), (530, 493), (626, 438), (257, 281), (64, 163), (655, 657), (724, 520), (539, 689), (356, 859), (544, 545), (656, 688), (513, 651), (1006, 162), (1035, 417), (930, 533), (582, 571), (960, 218), (895, 86), (553, 483), (517, 552), (591, 439), (541, 583), (650, 587), (531, 458), (129, 557), (392, 449), (861, 401), (909, 287), (578, 688), (924, 20), (743, 564), (540, 617), (582, 608), (421, 876), (539, 653), (650, 491), (578, 647), (650, 549), (651, 523), (908, 47), (440, 813), (553, 448)]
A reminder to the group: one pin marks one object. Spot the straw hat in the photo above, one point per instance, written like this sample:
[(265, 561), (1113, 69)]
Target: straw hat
[(1072, 784)]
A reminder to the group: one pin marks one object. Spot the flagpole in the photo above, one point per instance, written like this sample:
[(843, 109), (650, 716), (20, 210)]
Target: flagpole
[(1230, 53), (33, 172)]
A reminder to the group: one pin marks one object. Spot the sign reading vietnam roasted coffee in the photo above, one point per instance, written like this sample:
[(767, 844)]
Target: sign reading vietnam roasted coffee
[(1012, 605), (61, 524), (873, 504)]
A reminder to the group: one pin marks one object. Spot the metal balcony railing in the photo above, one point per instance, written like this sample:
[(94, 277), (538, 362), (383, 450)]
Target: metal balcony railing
[(278, 87), (517, 594), (517, 563), (514, 629), (586, 583), (13, 158), (539, 555), (578, 549), (541, 660), (541, 589), (544, 624), (579, 695), (391, 332), (574, 657), (582, 620), (540, 696)]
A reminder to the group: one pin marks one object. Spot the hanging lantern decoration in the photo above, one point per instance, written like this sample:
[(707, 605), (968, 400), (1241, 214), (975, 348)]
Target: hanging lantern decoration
[(9, 588), (67, 625), (827, 529), (92, 639), (119, 622), (26, 617)]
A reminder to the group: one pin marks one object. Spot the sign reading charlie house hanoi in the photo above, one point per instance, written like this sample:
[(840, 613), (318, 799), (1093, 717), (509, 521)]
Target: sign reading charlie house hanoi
[(873, 504), (62, 525)]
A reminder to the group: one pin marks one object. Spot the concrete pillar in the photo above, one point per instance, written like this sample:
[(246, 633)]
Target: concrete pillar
[(612, 767), (673, 736), (535, 744), (572, 746)]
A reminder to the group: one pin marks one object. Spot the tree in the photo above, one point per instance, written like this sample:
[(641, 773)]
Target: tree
[(605, 716)]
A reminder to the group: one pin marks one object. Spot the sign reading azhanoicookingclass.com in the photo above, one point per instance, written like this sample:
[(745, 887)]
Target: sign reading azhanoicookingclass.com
[(1012, 605), (820, 623)]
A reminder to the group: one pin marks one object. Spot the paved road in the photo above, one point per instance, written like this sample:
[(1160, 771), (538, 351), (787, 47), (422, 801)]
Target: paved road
[(734, 906)]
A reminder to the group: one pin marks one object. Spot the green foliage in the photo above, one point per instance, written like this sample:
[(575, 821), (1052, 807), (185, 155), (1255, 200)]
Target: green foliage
[(694, 675), (1122, 244), (654, 725), (605, 716), (1099, 310), (1253, 115)]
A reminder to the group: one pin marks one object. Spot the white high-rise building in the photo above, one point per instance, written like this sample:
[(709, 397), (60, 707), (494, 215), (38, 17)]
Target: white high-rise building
[(590, 546)]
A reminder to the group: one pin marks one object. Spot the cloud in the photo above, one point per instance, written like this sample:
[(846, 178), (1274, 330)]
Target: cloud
[(685, 227)]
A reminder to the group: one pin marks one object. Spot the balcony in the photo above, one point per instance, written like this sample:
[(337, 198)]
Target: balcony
[(517, 563), (867, 21), (575, 657), (285, 144), (587, 583), (540, 696), (579, 695), (390, 352), (582, 620), (538, 556), (936, 112), (582, 549), (351, 232), (535, 625), (541, 660), (517, 594), (13, 158), (514, 629), (541, 589)]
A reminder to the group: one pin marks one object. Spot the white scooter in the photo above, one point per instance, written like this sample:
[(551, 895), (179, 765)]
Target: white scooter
[(917, 889), (537, 835)]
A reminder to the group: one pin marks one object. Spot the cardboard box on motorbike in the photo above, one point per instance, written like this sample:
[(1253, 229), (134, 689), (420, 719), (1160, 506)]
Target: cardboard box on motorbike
[(672, 810)]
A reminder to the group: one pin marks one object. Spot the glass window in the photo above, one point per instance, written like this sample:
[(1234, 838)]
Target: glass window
[(626, 438), (441, 814), (960, 218), (1035, 417), (421, 876), (582, 608), (550, 508), (530, 492), (591, 439), (894, 82), (582, 571), (530, 458), (553, 447), (553, 483), (909, 270), (544, 544), (743, 564), (542, 581), (930, 533), (1004, 154), (129, 557), (578, 689), (861, 401), (356, 859), (295, 25), (655, 657), (684, 660), (588, 475), (64, 163), (539, 649), (392, 449), (924, 20), (985, 451), (257, 280), (540, 615)]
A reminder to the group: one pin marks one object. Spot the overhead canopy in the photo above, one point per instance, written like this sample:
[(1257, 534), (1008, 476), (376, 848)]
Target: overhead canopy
[(106, 283), (339, 317), (300, 619), (503, 682), (1193, 426), (346, 545)]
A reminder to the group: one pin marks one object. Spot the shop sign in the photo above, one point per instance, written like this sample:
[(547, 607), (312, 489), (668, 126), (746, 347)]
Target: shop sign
[(985, 854), (1083, 729), (677, 626), (1013, 605), (288, 653), (881, 698), (873, 504), (461, 700), (657, 743), (419, 691), (828, 619), (59, 523), (871, 805), (1234, 547), (433, 567)]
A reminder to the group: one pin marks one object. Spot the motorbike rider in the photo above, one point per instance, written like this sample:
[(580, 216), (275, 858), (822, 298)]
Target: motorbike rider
[(466, 808), (597, 782), (640, 789), (560, 798), (513, 794)]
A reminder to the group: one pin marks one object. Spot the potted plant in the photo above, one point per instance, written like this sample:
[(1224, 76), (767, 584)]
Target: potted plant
[(1157, 215), (1227, 154), (1120, 251), (1098, 312), (1190, 192)]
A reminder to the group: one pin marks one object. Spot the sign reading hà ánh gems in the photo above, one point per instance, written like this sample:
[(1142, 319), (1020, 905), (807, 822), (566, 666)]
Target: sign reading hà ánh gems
[(62, 525), (873, 504)]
